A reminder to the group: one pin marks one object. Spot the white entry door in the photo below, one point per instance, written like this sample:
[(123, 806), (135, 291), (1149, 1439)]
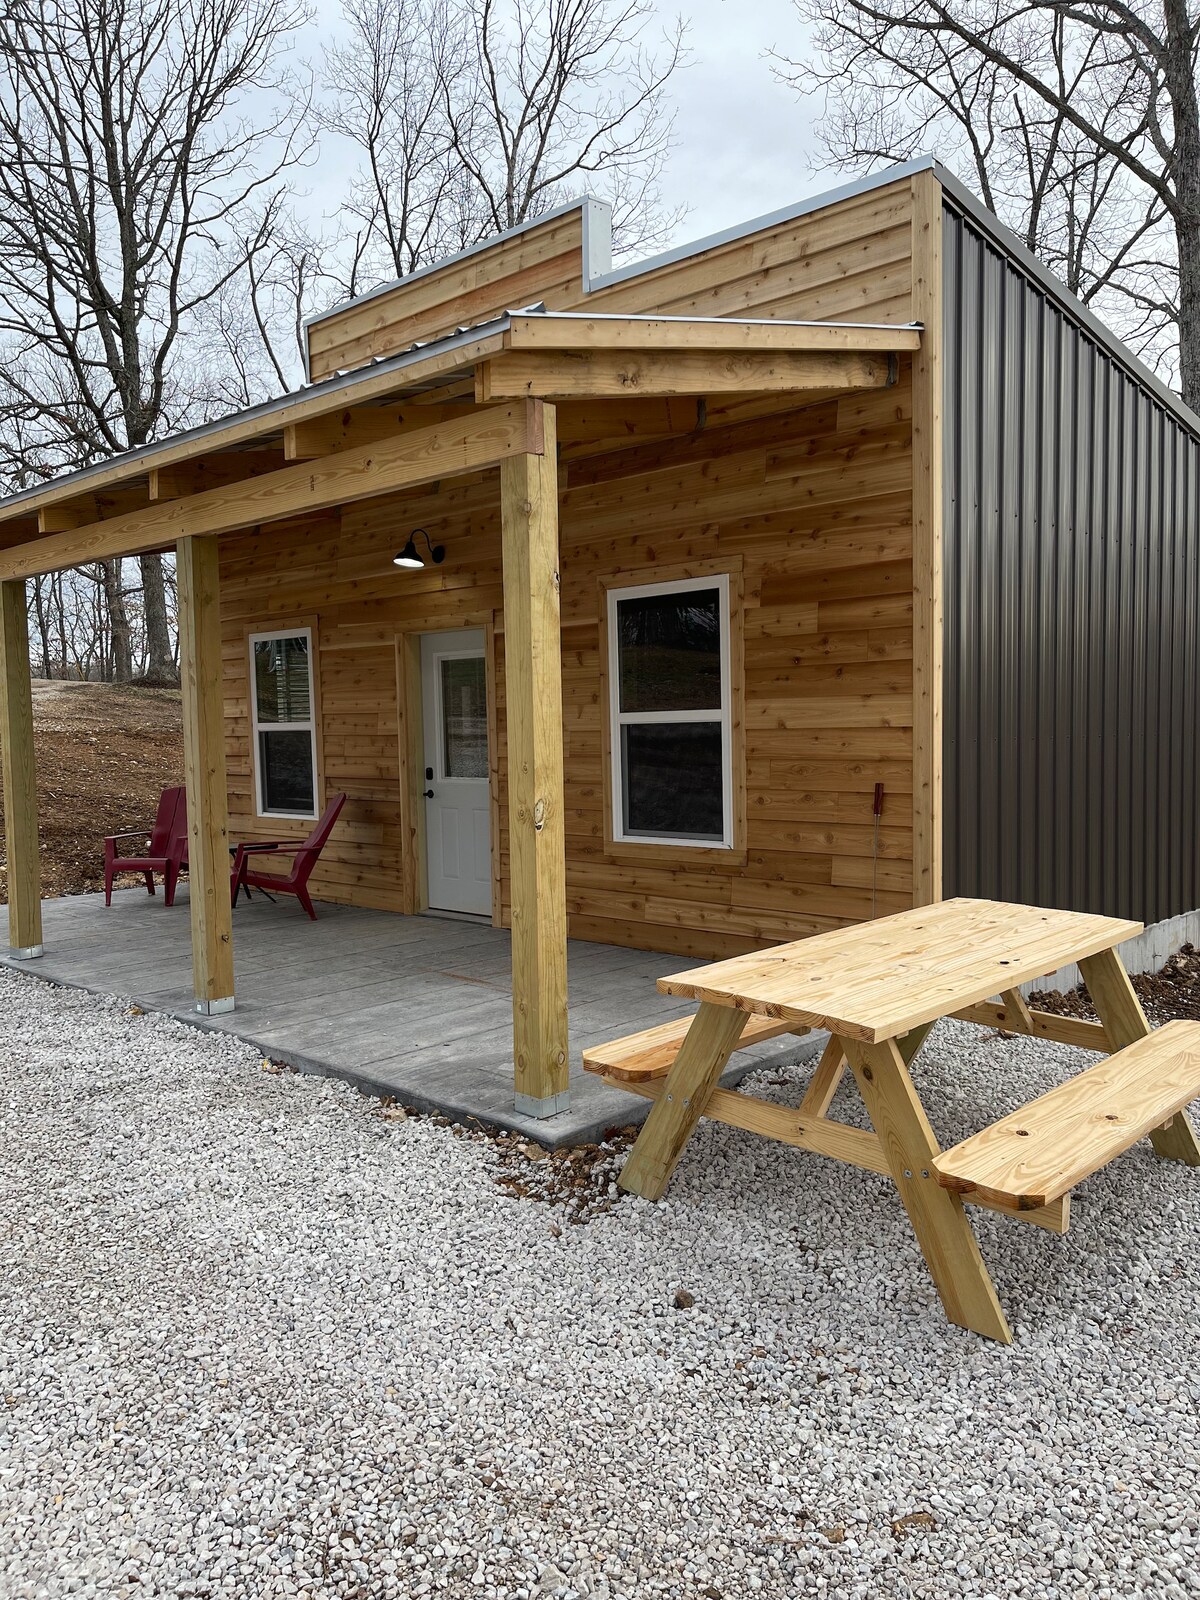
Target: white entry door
[(458, 811)]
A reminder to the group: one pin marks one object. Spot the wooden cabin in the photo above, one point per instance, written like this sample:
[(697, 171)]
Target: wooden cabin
[(710, 568)]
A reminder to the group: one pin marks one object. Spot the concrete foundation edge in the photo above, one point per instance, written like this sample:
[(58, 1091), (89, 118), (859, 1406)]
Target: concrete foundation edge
[(1147, 953)]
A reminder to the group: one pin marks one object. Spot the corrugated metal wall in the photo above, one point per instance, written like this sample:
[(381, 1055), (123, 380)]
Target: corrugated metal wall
[(1072, 602)]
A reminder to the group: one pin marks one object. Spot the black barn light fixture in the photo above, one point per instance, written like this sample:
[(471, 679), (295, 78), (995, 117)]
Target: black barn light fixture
[(411, 557)]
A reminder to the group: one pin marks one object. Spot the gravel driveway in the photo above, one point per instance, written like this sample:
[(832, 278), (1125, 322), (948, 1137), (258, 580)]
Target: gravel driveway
[(258, 1340)]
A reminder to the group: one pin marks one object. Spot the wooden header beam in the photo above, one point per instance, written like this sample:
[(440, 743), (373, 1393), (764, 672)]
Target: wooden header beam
[(677, 335), (598, 374), (442, 451)]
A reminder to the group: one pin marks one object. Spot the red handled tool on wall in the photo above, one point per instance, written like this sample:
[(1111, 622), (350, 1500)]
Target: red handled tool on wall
[(877, 812)]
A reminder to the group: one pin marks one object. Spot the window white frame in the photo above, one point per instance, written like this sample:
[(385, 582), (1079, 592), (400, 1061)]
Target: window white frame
[(619, 719), (258, 727)]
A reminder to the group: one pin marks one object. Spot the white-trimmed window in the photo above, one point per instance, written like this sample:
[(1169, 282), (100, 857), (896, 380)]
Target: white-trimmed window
[(669, 703), (285, 728)]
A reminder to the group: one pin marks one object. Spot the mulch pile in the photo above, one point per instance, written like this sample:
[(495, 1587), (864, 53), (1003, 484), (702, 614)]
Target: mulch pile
[(580, 1182), (1172, 992)]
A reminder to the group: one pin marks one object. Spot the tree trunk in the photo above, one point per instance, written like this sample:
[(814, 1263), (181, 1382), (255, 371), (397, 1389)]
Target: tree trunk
[(160, 663), (118, 621), (43, 623), (60, 619), (1185, 111), (1188, 234)]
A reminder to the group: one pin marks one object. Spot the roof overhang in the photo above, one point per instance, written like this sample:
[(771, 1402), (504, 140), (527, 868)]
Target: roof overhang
[(252, 467)]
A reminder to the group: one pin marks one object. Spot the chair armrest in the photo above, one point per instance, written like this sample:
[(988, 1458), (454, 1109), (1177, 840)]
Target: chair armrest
[(258, 846)]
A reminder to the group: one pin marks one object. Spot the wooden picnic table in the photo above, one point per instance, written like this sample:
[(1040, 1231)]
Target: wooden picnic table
[(878, 988)]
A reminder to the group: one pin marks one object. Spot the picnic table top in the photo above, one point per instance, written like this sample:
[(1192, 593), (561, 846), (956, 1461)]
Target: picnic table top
[(877, 980)]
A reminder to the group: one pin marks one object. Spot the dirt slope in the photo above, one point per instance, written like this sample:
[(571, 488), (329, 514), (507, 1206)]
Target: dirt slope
[(104, 754)]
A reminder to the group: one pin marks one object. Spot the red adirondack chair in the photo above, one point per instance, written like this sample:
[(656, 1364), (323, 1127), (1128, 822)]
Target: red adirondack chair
[(166, 847), (304, 858)]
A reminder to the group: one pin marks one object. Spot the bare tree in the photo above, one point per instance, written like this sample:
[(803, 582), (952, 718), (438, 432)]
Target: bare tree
[(472, 118), (134, 189), (555, 93), (1078, 120), (408, 199)]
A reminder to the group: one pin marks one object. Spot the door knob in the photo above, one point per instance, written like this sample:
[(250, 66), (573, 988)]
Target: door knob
[(429, 794)]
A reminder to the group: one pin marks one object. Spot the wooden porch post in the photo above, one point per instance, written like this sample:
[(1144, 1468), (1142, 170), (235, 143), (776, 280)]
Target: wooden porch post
[(533, 685), (204, 773), (20, 782), (928, 576)]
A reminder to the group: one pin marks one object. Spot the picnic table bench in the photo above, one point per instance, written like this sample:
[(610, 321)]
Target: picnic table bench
[(878, 988)]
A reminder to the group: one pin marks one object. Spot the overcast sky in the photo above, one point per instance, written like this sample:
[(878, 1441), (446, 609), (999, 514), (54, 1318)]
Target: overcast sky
[(745, 140), (744, 143)]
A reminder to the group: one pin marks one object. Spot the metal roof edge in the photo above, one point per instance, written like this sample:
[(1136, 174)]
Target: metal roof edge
[(333, 385), (597, 254), (771, 219), (1002, 236)]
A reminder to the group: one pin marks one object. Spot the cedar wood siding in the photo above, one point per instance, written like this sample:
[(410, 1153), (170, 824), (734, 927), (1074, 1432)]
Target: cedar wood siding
[(1072, 601), (810, 509)]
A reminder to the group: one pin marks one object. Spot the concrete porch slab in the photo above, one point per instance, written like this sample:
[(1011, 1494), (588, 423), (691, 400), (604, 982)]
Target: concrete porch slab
[(415, 1007)]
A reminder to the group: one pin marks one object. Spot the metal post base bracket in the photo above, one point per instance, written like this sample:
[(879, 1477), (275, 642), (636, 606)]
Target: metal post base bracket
[(214, 1008), (527, 1105), (29, 952)]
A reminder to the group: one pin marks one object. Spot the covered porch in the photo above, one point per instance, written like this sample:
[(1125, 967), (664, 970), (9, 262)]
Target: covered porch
[(270, 517), (415, 1007)]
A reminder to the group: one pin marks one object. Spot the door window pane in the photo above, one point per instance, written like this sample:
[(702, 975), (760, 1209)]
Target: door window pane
[(670, 651), (285, 761), (673, 779), (281, 679), (464, 718)]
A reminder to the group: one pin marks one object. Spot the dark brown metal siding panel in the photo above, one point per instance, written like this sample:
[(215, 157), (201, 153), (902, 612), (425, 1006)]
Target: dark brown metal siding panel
[(1072, 596)]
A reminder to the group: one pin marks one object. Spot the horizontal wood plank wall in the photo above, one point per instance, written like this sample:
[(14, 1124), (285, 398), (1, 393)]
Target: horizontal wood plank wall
[(848, 262), (543, 263), (814, 505)]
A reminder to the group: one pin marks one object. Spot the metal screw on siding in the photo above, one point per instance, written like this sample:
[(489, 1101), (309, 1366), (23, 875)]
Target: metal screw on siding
[(907, 1173)]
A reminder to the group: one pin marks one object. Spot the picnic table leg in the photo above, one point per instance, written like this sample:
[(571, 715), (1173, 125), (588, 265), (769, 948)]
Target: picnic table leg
[(1120, 1010), (823, 1085), (939, 1221), (703, 1057), (831, 1068)]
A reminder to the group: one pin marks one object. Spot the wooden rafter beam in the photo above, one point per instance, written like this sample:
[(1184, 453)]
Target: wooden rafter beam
[(359, 425), (211, 472), (483, 439), (68, 514), (596, 374), (675, 335)]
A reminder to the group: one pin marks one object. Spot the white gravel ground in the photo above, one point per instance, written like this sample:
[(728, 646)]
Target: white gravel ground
[(258, 1340)]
